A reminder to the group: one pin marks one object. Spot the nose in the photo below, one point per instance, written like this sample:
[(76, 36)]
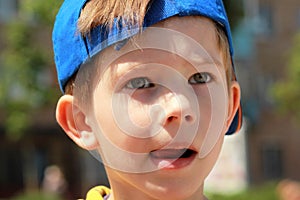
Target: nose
[(178, 109)]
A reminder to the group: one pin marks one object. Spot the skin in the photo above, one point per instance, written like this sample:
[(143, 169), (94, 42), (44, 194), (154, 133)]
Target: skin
[(159, 115)]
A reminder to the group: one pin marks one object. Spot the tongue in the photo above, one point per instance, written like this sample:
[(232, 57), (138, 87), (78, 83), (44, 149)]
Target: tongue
[(168, 153)]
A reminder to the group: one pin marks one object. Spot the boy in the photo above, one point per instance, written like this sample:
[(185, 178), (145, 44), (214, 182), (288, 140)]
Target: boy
[(149, 85)]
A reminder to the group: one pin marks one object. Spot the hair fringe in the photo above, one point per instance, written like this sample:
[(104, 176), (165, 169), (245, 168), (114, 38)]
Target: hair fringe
[(95, 12)]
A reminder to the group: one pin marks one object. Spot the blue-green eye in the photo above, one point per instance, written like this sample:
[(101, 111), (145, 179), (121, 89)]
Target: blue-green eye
[(139, 83), (200, 78)]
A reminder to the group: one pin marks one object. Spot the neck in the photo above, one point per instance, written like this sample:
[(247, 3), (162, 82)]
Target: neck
[(131, 192), (114, 196)]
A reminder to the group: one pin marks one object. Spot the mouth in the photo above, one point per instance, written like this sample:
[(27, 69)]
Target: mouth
[(173, 158)]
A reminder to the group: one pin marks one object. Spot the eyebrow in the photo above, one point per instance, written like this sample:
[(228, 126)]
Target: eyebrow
[(204, 60), (119, 69)]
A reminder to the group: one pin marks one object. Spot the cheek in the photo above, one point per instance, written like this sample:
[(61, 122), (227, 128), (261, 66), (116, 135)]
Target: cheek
[(142, 110), (136, 115), (213, 111), (121, 122), (207, 163), (139, 114), (205, 108)]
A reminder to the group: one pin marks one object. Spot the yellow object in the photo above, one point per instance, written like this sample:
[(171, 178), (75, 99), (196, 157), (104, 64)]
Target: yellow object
[(97, 193)]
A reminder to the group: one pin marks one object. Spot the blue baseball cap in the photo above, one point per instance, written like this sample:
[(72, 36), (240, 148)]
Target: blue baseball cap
[(71, 49)]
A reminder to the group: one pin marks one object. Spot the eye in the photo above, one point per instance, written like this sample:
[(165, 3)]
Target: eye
[(139, 83), (200, 78)]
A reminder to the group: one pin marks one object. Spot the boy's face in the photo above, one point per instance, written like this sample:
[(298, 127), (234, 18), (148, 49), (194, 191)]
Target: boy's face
[(161, 108)]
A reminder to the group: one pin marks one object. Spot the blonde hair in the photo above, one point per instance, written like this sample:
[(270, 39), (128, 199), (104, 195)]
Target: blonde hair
[(132, 12), (106, 12)]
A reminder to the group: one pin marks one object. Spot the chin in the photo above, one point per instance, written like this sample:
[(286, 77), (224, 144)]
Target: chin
[(176, 190), (178, 194)]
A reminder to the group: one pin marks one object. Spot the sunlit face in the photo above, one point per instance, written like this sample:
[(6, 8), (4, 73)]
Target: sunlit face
[(160, 109)]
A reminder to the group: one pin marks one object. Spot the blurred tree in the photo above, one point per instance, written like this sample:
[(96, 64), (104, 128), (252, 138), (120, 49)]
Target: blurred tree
[(26, 80), (287, 92), (26, 73), (235, 11)]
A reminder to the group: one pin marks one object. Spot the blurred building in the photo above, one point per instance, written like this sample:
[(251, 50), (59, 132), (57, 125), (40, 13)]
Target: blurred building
[(262, 43), (23, 162)]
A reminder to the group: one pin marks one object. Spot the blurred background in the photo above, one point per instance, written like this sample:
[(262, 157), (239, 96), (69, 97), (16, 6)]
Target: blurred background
[(38, 161)]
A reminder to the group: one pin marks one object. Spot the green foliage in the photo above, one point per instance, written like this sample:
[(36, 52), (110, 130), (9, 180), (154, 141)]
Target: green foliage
[(26, 63), (42, 11), (264, 192), (26, 73), (287, 92)]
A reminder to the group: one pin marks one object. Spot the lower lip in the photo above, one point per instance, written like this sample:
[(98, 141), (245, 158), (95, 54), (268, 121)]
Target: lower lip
[(173, 164)]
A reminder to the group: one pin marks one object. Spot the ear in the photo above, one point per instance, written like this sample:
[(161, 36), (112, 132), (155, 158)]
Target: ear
[(234, 102), (75, 123)]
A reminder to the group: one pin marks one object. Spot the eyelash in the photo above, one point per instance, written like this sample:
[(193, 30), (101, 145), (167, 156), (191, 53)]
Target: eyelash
[(143, 82), (203, 78), (139, 83)]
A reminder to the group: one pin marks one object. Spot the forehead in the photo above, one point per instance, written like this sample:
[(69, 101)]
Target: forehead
[(190, 25), (193, 38), (200, 29)]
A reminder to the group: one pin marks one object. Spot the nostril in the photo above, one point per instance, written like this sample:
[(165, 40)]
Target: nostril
[(188, 118), (171, 118)]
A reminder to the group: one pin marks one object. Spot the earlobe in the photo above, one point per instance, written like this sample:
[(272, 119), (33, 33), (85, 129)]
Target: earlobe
[(234, 102), (75, 124)]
